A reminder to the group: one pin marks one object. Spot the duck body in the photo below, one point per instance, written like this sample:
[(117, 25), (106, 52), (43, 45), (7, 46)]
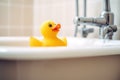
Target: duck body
[(49, 31), (54, 42)]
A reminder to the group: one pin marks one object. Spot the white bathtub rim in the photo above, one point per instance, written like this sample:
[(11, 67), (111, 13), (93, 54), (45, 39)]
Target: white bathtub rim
[(39, 53), (28, 53)]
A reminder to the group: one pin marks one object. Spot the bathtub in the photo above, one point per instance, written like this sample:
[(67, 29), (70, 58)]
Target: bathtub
[(82, 59)]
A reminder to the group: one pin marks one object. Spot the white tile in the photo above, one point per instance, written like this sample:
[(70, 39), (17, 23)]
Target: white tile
[(3, 15), (15, 16)]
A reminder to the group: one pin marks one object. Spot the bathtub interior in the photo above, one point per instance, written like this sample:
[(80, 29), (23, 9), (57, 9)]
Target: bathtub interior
[(71, 42)]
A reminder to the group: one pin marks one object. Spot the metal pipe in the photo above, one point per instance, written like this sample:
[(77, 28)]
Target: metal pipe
[(105, 21), (85, 8), (77, 7), (84, 14), (77, 14), (106, 5)]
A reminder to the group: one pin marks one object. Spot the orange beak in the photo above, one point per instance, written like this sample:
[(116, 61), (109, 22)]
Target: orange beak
[(56, 28)]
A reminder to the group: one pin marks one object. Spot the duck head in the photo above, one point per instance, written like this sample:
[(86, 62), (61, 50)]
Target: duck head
[(49, 29)]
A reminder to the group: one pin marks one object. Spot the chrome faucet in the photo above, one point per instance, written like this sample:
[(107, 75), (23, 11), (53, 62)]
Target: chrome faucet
[(105, 21)]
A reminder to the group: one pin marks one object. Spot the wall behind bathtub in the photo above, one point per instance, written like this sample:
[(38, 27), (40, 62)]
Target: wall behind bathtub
[(62, 11), (115, 6), (16, 17), (23, 17)]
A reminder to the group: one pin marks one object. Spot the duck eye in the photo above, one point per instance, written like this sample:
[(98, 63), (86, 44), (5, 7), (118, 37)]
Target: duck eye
[(50, 25)]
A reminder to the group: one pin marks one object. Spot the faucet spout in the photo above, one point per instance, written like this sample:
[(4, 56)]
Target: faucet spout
[(90, 21)]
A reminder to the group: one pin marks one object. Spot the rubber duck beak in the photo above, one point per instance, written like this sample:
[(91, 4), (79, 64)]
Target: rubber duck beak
[(56, 28)]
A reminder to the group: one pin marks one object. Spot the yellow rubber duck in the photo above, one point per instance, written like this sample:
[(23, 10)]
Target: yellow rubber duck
[(49, 30)]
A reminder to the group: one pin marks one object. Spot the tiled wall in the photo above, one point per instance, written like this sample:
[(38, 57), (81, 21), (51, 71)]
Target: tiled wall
[(23, 17), (60, 11), (16, 17), (63, 11), (115, 6)]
